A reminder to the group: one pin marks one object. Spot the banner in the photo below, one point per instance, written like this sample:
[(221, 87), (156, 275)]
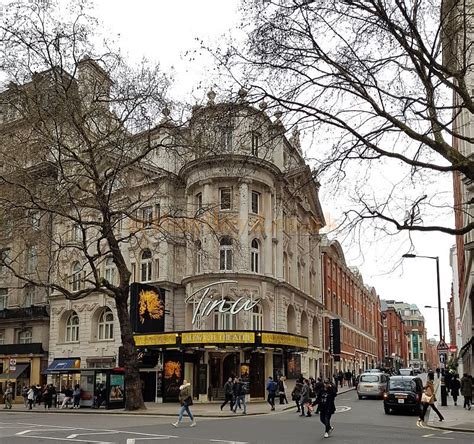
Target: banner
[(173, 375), (335, 336), (147, 308)]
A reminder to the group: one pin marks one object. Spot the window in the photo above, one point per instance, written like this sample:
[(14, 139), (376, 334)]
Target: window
[(198, 247), (147, 216), (77, 234), (255, 256), (225, 254), (2, 337), (224, 321), (5, 259), (198, 202), (255, 202), (3, 298), (72, 328), (35, 219), (29, 296), (255, 143), (146, 266), (32, 260), (158, 212), (257, 318), (25, 336), (225, 198), (110, 270), (106, 325), (76, 276)]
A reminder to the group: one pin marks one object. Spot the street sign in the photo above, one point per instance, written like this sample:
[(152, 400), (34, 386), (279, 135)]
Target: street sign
[(442, 347), (12, 362)]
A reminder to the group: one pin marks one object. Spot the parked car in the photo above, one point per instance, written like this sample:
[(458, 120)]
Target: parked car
[(372, 385), (403, 394), (406, 372)]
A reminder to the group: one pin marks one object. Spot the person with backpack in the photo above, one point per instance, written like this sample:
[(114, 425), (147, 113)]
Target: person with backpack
[(239, 396), (271, 389)]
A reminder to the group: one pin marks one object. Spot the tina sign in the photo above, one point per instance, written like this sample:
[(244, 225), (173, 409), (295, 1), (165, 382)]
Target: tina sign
[(204, 304), (147, 308)]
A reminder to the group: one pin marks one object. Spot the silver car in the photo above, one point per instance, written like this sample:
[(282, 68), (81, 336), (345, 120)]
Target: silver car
[(372, 385)]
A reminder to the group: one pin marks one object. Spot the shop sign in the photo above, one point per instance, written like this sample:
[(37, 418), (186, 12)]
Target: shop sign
[(158, 339), (205, 305), (334, 336), (282, 339), (218, 337), (147, 308)]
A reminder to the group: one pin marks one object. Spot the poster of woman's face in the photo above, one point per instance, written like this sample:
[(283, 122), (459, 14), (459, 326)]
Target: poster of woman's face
[(294, 366)]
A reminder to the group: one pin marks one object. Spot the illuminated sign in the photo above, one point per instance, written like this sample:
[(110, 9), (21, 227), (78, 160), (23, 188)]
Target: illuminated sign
[(283, 339), (218, 337), (205, 304), (159, 339)]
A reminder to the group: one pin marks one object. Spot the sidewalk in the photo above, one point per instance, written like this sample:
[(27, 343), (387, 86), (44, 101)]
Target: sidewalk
[(455, 417), (209, 409)]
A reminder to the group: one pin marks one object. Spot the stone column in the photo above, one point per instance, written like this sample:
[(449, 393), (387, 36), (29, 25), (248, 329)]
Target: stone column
[(207, 242), (267, 243), (279, 236), (242, 243)]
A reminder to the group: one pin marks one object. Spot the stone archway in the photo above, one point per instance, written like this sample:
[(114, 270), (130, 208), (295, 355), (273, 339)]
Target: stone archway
[(304, 324), (316, 336), (291, 319)]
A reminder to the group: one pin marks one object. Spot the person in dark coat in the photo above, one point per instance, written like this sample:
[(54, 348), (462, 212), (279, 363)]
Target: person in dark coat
[(455, 387), (466, 390), (239, 395), (228, 393), (327, 406), (296, 393), (318, 387), (305, 397), (282, 390), (272, 387)]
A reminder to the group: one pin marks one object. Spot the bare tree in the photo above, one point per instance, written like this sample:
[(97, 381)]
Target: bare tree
[(79, 138), (373, 82)]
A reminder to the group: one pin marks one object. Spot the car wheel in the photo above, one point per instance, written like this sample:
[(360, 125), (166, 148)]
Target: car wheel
[(387, 410)]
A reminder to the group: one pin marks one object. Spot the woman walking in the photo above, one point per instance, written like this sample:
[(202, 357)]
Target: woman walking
[(282, 390), (428, 399), (466, 390), (455, 387), (296, 393), (327, 406), (186, 400), (305, 398)]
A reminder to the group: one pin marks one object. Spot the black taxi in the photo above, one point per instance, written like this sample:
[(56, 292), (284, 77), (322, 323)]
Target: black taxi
[(403, 393)]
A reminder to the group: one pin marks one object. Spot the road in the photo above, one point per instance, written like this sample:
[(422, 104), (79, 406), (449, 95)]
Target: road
[(357, 421)]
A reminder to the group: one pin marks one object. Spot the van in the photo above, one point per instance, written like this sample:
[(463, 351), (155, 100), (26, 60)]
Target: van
[(372, 385)]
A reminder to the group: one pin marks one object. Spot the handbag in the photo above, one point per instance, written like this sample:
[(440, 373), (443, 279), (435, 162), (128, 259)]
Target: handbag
[(425, 399), (188, 401)]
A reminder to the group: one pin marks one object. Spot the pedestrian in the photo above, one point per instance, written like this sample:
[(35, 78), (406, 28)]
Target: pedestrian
[(438, 371), (24, 393), (272, 387), (296, 393), (186, 400), (282, 390), (67, 397), (47, 397), (317, 390), (466, 390), (305, 398), (228, 394), (31, 397), (340, 376), (428, 400), (455, 387), (327, 406), (239, 393), (8, 397), (76, 396)]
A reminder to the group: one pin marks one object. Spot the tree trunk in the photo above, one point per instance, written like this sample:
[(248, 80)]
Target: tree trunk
[(133, 386)]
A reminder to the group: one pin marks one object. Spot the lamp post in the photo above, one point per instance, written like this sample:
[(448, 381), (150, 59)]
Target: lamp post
[(444, 400), (444, 325)]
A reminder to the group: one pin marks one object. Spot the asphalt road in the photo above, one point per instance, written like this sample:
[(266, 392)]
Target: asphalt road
[(357, 421)]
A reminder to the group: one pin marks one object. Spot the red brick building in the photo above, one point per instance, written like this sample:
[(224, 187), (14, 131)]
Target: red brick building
[(394, 342), (346, 297), (432, 358)]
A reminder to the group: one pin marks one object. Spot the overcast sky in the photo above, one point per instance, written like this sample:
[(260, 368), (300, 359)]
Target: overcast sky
[(168, 32), (164, 31)]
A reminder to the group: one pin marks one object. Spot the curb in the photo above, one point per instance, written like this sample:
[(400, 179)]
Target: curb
[(454, 429)]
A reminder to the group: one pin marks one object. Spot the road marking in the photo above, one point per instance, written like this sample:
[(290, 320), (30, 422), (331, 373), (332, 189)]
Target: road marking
[(433, 436), (69, 440), (91, 433), (228, 442), (23, 432)]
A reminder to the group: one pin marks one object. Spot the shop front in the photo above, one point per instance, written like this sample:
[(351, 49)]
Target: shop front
[(208, 358)]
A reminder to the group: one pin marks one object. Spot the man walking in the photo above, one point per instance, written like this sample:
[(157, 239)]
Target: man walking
[(466, 390), (325, 400), (239, 393), (271, 388), (228, 393)]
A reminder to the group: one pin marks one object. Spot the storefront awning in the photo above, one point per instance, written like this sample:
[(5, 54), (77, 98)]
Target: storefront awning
[(63, 365), (20, 368)]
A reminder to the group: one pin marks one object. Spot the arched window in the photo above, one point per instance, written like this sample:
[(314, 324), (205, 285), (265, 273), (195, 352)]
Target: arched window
[(257, 318), (76, 276), (224, 321), (146, 266), (255, 256), (225, 254), (110, 270), (72, 328), (25, 336), (106, 325), (198, 247)]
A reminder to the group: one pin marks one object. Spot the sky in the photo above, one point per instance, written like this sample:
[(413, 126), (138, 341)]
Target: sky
[(168, 32)]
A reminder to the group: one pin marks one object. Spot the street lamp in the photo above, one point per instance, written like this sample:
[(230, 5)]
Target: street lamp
[(441, 330), (444, 325)]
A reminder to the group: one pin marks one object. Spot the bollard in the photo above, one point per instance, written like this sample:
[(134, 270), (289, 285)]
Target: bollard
[(444, 394)]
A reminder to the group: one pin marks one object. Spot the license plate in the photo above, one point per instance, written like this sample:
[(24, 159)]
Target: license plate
[(401, 401), (368, 386)]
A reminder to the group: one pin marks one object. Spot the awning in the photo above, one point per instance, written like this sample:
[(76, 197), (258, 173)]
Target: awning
[(20, 368), (465, 347), (63, 365)]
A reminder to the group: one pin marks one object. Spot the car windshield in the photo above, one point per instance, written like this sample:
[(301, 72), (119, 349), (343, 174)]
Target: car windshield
[(401, 384), (405, 371), (369, 378)]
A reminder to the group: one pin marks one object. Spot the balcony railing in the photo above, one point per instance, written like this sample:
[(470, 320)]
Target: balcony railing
[(32, 312)]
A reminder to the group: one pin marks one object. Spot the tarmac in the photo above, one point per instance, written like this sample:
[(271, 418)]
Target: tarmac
[(456, 418)]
